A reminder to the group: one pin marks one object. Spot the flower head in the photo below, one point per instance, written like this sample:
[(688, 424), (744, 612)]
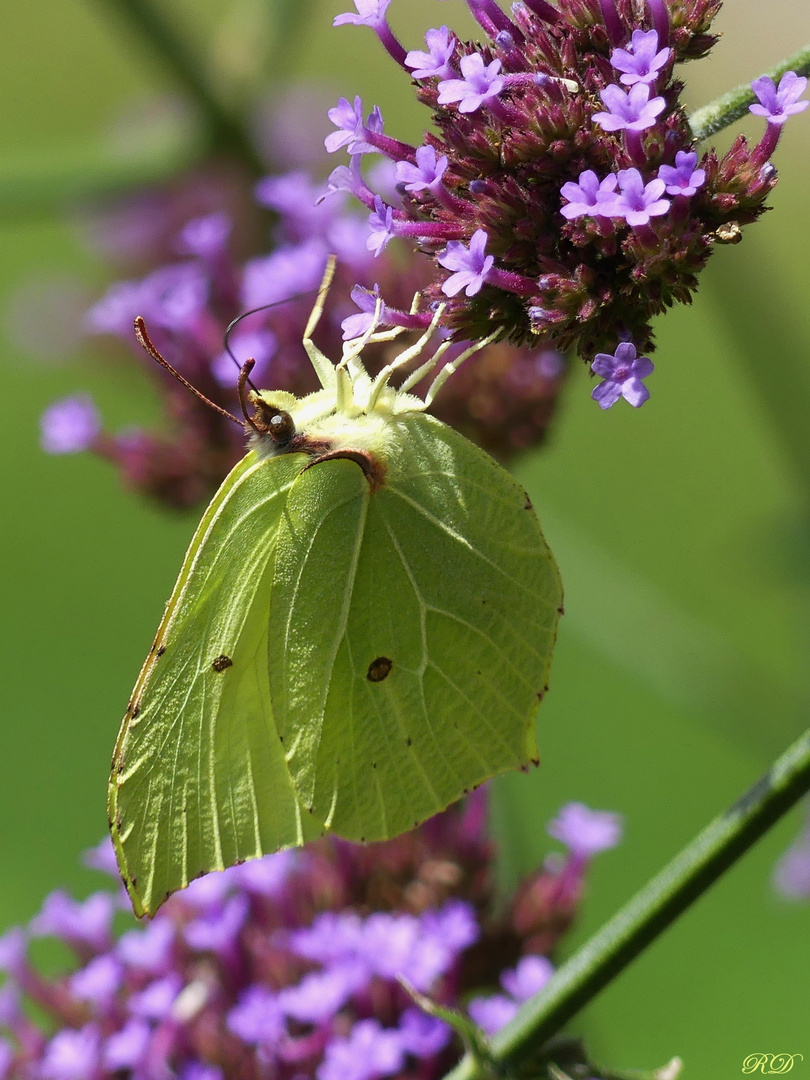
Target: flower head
[(300, 982), (562, 138), (776, 104)]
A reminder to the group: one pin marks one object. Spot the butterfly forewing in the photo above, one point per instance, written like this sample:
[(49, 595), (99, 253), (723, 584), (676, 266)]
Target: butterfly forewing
[(199, 780)]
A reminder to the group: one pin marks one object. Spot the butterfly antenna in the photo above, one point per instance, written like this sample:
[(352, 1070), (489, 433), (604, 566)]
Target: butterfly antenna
[(146, 343), (244, 372), (226, 339)]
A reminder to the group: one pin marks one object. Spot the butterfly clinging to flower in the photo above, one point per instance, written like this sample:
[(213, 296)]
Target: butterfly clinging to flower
[(359, 634)]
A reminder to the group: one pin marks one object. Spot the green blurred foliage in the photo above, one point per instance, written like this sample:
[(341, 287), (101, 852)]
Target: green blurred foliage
[(680, 529)]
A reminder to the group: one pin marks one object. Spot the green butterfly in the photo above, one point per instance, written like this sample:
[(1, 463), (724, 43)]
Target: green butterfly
[(360, 633)]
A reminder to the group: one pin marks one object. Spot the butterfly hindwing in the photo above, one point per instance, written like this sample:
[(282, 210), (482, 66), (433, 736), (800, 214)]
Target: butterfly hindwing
[(434, 602)]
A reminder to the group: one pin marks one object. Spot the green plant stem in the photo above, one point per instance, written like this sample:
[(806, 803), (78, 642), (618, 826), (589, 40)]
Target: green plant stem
[(651, 911), (226, 130), (724, 110)]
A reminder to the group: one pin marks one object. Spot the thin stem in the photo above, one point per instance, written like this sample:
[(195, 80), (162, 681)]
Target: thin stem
[(724, 110), (225, 128), (651, 911)]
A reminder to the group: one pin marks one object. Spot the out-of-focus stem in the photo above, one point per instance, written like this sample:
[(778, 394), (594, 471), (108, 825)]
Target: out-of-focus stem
[(225, 128), (650, 912)]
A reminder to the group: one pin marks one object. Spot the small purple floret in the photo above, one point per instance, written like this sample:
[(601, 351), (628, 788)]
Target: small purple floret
[(369, 1052), (684, 178), (422, 1035), (776, 104), (642, 60), (352, 129), (70, 425), (426, 174), (637, 202), (792, 873), (257, 1016), (531, 974), (471, 265), (590, 196), (206, 237), (354, 326), (586, 832), (492, 1013), (480, 83), (369, 13), (435, 62), (632, 111), (381, 224), (72, 1054)]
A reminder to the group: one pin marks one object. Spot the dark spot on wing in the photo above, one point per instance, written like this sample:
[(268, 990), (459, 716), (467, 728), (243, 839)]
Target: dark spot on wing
[(135, 710), (535, 761), (161, 651), (409, 741), (222, 662), (528, 504), (379, 669), (560, 610), (281, 738)]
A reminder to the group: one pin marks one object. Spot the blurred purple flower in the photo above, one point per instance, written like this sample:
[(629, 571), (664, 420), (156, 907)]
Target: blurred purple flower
[(586, 832), (492, 1013), (369, 13), (369, 1052), (70, 425), (531, 974)]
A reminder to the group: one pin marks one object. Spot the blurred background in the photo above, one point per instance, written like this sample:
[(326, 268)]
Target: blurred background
[(681, 529)]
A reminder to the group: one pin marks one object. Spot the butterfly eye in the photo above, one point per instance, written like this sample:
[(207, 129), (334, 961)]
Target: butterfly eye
[(280, 427)]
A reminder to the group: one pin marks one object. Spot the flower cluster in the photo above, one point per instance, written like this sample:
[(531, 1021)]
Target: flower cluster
[(288, 966), (503, 399), (561, 193)]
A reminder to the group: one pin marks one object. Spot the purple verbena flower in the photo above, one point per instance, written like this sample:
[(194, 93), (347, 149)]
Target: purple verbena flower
[(632, 111), (206, 237), (257, 1017), (426, 174), (590, 196), (642, 61), (381, 225), (85, 925), (369, 1052), (436, 61), (352, 128), (98, 981), (354, 326), (636, 201), (128, 1047), (492, 1013), (471, 265), (531, 974), (422, 1035), (72, 1054), (480, 82), (70, 425), (369, 13), (586, 832), (776, 104), (684, 178)]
